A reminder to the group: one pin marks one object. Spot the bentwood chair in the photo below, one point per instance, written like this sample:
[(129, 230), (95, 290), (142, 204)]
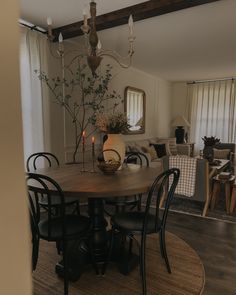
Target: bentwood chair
[(144, 223), (49, 160), (61, 228), (121, 203)]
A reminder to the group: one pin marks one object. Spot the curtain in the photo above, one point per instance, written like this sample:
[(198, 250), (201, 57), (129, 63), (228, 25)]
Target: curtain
[(32, 57), (212, 111)]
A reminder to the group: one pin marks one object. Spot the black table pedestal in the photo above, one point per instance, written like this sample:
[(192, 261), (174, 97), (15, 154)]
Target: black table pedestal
[(94, 249)]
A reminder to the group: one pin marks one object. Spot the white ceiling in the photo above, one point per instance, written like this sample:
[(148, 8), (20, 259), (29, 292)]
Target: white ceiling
[(195, 43)]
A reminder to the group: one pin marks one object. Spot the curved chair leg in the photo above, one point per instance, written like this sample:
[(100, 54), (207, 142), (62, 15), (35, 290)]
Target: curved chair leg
[(143, 265), (66, 279), (163, 247), (35, 252), (161, 243)]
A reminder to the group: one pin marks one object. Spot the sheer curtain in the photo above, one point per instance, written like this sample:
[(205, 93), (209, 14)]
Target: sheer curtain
[(212, 111), (32, 57)]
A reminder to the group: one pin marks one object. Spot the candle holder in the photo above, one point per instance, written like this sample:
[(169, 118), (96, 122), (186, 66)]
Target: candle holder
[(93, 158), (83, 153)]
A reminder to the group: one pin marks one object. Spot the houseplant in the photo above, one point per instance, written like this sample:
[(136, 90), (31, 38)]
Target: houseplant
[(82, 95), (209, 143), (113, 124)]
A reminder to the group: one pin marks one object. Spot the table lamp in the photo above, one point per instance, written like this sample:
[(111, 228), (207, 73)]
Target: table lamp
[(180, 122)]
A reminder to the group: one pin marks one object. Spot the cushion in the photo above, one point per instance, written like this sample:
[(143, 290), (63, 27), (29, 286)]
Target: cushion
[(150, 150), (75, 225), (160, 149), (171, 145), (221, 153), (133, 221)]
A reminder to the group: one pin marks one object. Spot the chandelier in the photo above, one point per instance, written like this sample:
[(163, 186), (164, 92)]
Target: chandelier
[(95, 52)]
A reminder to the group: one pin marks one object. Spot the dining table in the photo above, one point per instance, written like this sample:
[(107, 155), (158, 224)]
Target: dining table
[(96, 186)]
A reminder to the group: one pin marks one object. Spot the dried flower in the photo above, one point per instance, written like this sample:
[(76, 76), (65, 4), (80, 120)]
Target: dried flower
[(112, 123)]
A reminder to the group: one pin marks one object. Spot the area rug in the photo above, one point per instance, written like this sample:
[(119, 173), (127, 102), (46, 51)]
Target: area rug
[(196, 208), (188, 276)]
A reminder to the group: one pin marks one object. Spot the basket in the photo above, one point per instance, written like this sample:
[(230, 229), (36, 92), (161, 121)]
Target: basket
[(111, 166)]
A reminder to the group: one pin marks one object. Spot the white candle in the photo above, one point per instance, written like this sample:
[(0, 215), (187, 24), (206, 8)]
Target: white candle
[(60, 38), (131, 25)]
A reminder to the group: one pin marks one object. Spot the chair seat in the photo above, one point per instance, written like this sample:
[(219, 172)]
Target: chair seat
[(133, 222), (122, 200), (55, 201), (74, 224)]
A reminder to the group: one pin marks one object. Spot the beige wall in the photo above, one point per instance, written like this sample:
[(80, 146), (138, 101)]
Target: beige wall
[(15, 272)]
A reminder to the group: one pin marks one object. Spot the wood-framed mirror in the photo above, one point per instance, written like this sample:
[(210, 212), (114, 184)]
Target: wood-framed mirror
[(135, 105)]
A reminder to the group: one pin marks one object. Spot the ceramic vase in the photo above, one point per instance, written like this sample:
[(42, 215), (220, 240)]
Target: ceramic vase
[(115, 142)]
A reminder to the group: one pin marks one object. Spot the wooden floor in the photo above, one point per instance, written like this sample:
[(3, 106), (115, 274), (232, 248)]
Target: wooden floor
[(215, 242)]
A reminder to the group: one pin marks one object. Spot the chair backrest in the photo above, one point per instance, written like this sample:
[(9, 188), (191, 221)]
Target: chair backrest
[(166, 183), (39, 185), (138, 157), (33, 160)]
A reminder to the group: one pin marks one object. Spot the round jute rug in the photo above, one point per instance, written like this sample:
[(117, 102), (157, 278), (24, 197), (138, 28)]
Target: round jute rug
[(188, 276)]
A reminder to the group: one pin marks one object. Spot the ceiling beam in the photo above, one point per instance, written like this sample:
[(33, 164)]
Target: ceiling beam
[(139, 11)]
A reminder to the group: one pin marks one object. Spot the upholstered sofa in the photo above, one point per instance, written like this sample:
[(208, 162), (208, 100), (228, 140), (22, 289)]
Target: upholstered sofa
[(146, 146)]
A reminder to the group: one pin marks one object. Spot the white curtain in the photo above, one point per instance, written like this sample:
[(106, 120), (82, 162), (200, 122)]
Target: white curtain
[(212, 111), (32, 57)]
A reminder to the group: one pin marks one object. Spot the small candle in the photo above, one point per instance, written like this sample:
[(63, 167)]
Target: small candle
[(93, 152), (131, 25), (60, 39)]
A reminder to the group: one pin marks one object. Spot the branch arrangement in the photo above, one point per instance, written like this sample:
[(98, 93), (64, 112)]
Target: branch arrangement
[(83, 96)]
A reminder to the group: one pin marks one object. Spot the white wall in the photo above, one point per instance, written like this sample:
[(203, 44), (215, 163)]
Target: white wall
[(15, 272)]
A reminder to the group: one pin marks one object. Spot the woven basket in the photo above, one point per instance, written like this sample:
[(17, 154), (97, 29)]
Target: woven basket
[(109, 167)]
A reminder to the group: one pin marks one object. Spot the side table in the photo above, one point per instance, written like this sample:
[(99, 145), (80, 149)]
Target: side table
[(227, 183)]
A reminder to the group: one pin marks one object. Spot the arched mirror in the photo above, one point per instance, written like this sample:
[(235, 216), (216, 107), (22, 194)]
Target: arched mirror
[(134, 104)]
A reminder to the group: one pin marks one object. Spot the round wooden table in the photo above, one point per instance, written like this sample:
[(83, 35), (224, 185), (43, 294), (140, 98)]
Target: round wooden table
[(132, 179)]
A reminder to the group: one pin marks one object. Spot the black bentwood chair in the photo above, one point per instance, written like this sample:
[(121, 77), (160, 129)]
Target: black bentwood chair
[(51, 160), (144, 223), (121, 203), (61, 228)]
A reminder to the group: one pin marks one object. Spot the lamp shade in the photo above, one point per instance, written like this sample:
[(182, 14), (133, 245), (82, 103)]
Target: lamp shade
[(180, 121)]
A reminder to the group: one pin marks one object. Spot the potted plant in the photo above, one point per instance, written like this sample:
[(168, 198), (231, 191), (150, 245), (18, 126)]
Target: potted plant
[(113, 124), (209, 143), (82, 96)]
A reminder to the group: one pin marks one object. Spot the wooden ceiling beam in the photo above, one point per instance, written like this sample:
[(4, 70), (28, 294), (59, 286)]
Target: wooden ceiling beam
[(139, 11)]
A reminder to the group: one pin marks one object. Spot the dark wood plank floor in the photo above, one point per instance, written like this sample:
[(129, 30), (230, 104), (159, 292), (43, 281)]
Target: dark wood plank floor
[(215, 242)]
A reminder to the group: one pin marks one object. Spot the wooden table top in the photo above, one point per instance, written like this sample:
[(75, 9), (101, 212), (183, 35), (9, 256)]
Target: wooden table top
[(132, 179)]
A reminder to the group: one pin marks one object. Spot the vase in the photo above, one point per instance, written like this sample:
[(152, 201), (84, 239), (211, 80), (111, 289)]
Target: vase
[(208, 152), (115, 142)]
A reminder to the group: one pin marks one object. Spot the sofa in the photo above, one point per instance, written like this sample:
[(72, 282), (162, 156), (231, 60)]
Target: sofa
[(147, 147)]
